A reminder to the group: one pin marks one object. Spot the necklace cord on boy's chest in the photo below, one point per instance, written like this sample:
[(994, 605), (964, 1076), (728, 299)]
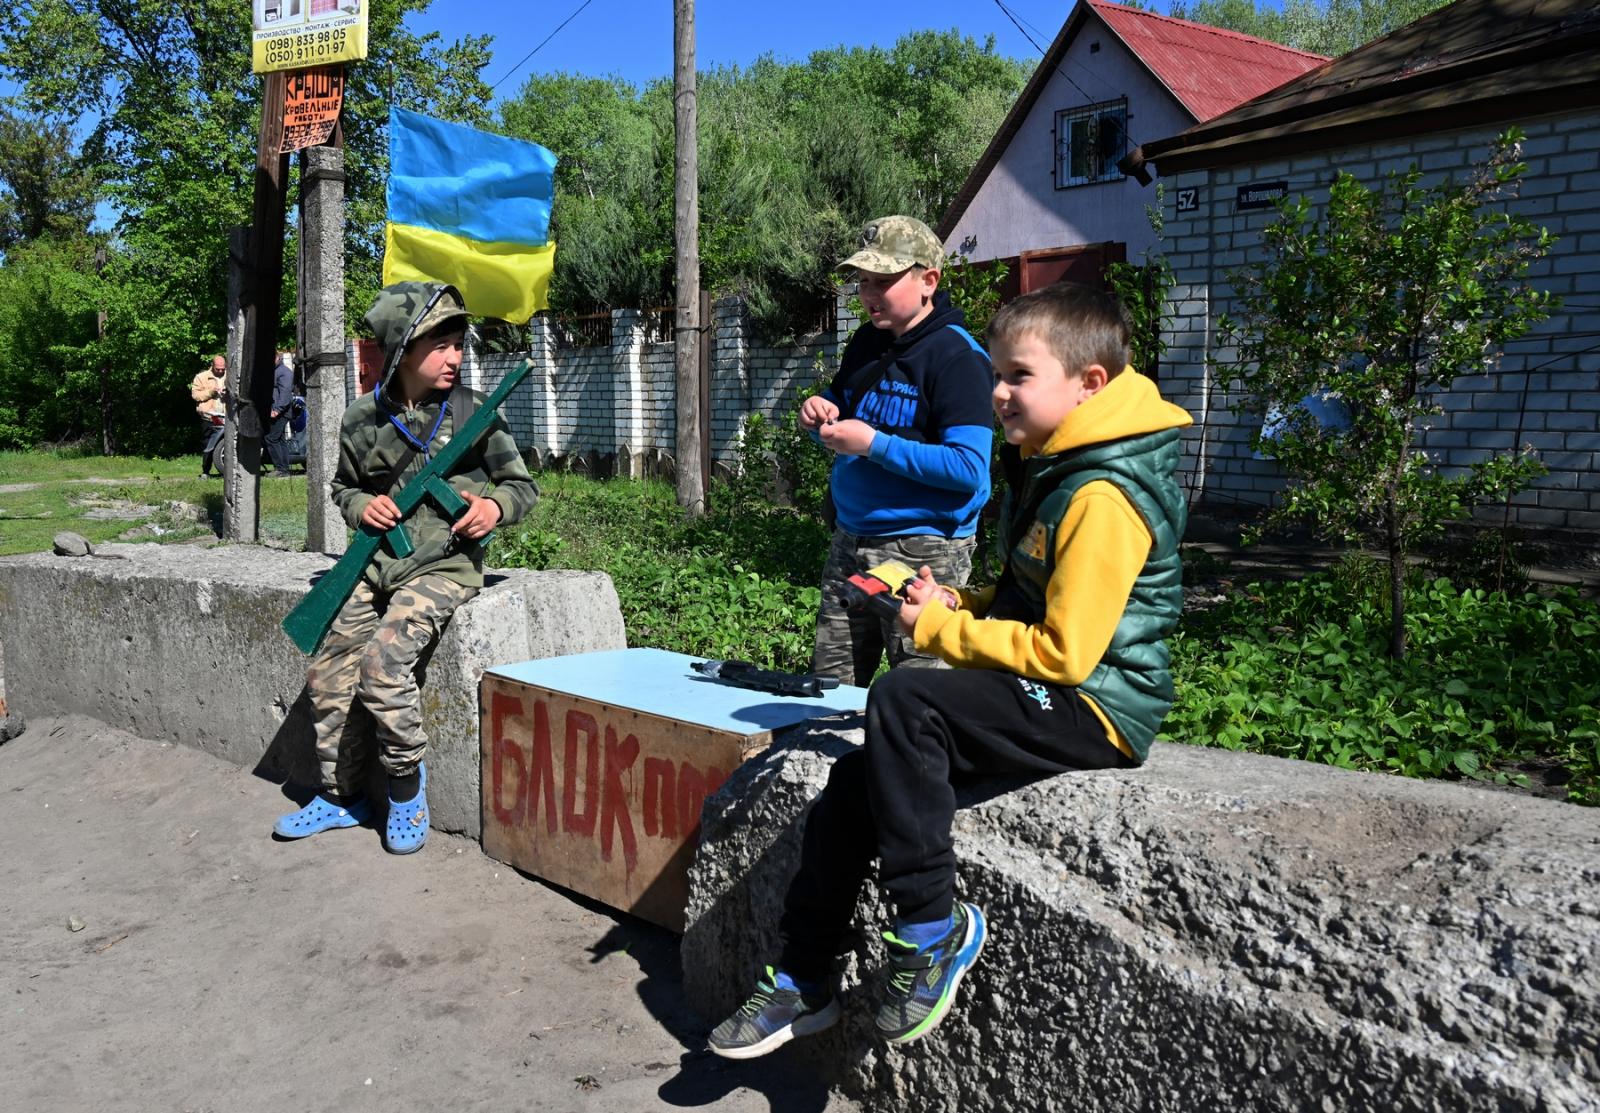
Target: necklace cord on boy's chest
[(422, 446)]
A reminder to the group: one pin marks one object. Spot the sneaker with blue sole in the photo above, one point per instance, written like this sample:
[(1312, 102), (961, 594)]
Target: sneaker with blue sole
[(922, 983), (320, 815), (771, 1018)]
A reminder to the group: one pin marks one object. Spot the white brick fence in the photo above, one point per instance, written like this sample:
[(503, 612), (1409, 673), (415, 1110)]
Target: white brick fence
[(611, 407)]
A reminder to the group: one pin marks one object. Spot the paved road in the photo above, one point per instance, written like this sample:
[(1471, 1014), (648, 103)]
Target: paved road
[(217, 969)]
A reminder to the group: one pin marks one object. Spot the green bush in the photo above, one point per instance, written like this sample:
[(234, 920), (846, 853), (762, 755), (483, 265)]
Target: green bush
[(1495, 683), (740, 581)]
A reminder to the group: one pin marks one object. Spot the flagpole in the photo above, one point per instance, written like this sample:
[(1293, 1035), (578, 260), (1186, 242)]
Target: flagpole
[(691, 480)]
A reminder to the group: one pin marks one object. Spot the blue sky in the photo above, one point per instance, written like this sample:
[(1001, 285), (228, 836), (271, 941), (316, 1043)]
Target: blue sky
[(633, 38)]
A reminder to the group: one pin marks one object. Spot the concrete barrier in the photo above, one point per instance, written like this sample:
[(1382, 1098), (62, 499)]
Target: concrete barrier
[(181, 643), (1213, 931)]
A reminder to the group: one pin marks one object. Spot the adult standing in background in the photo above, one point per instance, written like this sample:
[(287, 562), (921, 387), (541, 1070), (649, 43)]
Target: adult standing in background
[(277, 438), (207, 389)]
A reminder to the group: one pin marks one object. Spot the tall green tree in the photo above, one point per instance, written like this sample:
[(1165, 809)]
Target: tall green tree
[(1331, 27), (49, 370), (612, 221), (794, 157), (1378, 303), (164, 90), (45, 189)]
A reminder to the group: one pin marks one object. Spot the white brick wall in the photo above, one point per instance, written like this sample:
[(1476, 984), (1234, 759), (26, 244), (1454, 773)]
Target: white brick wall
[(1545, 393), (624, 397)]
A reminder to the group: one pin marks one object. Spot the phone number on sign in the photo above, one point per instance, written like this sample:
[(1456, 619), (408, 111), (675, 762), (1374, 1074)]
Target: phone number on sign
[(312, 47)]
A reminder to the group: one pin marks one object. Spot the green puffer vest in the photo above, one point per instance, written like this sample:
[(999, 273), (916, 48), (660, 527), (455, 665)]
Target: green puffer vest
[(1133, 682)]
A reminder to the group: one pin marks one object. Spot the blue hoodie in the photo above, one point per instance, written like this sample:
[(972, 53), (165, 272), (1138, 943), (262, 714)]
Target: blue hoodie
[(927, 395)]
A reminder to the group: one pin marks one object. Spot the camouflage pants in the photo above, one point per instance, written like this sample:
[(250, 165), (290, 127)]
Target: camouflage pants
[(367, 667), (849, 646)]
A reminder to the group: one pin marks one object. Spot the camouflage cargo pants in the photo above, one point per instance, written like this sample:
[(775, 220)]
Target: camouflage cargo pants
[(849, 646), (367, 667)]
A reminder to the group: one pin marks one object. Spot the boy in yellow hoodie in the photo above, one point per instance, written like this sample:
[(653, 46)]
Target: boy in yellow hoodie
[(1062, 665)]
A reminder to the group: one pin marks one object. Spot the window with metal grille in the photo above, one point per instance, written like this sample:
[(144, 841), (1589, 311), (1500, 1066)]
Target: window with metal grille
[(1089, 143)]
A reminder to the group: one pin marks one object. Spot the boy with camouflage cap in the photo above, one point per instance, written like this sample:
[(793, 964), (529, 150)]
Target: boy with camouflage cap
[(371, 652), (908, 419)]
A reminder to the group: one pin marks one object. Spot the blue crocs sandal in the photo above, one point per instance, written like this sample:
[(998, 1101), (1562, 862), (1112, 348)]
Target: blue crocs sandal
[(407, 828), (320, 815)]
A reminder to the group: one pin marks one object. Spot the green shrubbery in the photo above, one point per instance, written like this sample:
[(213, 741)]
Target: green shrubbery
[(739, 582), (1495, 685)]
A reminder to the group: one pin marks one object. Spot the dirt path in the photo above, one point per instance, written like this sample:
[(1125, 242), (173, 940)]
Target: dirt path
[(93, 481), (219, 970)]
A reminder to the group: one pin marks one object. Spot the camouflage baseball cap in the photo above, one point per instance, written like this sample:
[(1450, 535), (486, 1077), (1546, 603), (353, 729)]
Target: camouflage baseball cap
[(406, 310), (892, 244)]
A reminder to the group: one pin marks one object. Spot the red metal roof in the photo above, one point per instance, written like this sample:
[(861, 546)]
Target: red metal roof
[(1208, 69)]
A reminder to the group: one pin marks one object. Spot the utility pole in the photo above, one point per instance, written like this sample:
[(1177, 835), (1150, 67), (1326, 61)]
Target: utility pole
[(108, 442), (253, 413), (322, 345), (686, 219)]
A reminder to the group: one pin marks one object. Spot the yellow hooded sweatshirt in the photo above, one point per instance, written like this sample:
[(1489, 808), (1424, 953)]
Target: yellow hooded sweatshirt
[(1101, 547)]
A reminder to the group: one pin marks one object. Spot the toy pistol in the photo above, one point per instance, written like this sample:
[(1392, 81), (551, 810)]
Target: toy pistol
[(879, 590)]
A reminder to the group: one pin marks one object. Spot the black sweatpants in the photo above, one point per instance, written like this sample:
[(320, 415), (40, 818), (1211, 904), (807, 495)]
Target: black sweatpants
[(894, 798)]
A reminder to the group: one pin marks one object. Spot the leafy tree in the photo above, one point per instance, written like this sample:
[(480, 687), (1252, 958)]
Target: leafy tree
[(46, 189), (49, 295), (1378, 303), (612, 219), (1330, 27), (794, 157), (172, 113)]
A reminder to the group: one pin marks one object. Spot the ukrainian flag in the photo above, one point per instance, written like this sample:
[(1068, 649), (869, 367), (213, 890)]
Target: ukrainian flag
[(472, 209)]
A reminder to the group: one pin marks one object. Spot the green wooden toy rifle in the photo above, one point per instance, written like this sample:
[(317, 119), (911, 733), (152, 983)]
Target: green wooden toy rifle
[(308, 623)]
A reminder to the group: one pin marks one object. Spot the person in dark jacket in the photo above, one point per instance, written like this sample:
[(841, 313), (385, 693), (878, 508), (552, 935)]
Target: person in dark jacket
[(908, 417), (277, 438), (1062, 665)]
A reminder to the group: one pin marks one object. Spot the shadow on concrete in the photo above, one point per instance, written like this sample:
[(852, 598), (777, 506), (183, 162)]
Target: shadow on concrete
[(786, 1079), (290, 759)]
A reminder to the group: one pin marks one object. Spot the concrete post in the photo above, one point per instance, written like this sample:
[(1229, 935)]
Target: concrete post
[(627, 391), (545, 437), (241, 471), (322, 341), (730, 376)]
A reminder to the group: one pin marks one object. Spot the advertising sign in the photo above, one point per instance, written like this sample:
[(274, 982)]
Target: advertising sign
[(295, 34), (311, 102)]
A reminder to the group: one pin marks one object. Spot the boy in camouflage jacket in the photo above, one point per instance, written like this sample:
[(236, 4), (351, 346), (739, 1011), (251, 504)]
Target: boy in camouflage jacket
[(370, 656)]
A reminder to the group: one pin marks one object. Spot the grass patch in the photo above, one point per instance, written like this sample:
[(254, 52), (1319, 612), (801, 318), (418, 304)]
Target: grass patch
[(739, 583), (132, 498)]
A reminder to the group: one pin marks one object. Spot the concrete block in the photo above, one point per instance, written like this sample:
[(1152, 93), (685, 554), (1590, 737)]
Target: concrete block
[(1211, 931), (182, 644)]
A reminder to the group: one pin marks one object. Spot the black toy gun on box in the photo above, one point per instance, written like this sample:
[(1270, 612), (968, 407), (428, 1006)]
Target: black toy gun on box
[(743, 674)]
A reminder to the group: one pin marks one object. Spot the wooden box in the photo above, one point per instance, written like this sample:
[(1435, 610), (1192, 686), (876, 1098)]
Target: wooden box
[(594, 767)]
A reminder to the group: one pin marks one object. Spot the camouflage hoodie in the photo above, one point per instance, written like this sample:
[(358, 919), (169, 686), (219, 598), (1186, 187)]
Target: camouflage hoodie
[(370, 446)]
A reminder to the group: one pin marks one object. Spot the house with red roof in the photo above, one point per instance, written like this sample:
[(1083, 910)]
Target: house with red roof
[(1434, 94), (1047, 196)]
